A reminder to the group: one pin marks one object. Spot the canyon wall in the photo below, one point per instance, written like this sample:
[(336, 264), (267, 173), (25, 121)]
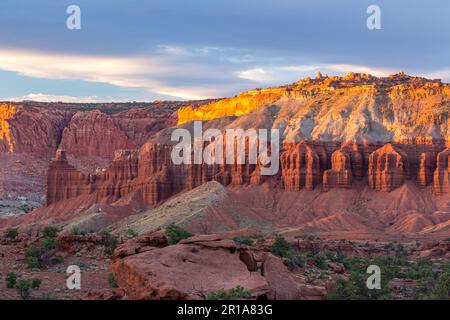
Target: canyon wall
[(151, 175)]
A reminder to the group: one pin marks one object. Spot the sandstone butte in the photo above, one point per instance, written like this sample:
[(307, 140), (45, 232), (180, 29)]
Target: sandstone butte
[(338, 133)]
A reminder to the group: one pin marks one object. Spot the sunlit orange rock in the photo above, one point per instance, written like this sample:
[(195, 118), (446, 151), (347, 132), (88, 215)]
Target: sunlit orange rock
[(6, 113), (442, 172), (388, 168), (340, 174), (300, 167)]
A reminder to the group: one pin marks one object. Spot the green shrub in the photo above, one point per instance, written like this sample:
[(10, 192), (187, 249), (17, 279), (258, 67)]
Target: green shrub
[(131, 233), (232, 294), (355, 288), (443, 287), (75, 231), (50, 232), (11, 279), (421, 269), (12, 233), (23, 288), (50, 243), (35, 283), (281, 247), (296, 260), (319, 260), (57, 259), (112, 280), (243, 240), (175, 234), (33, 257)]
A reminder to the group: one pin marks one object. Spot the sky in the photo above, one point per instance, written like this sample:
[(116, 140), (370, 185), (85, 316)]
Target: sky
[(142, 50)]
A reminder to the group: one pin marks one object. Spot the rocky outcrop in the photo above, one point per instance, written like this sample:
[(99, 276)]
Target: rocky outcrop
[(31, 130), (427, 163), (96, 134), (64, 181), (388, 168), (340, 174), (200, 265), (442, 172), (301, 166)]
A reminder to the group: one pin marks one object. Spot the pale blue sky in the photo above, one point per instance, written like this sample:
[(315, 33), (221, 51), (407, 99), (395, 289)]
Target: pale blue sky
[(165, 49)]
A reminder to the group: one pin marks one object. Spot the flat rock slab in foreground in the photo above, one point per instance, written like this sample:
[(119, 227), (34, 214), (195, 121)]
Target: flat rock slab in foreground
[(185, 271)]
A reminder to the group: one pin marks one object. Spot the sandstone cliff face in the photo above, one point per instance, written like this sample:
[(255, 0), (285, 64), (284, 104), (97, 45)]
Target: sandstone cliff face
[(64, 181), (340, 174), (96, 134), (301, 167), (355, 108), (442, 173), (31, 130), (388, 168), (151, 175), (427, 163)]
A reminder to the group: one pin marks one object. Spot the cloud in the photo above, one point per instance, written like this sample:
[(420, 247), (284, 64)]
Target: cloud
[(145, 72), (443, 74), (170, 71), (173, 50), (42, 97), (255, 74)]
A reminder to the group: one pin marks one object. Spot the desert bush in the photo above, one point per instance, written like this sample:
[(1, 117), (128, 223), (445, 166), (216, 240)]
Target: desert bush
[(12, 233), (33, 257), (11, 279), (57, 259), (131, 233), (35, 283), (50, 243), (243, 240), (232, 294), (23, 288), (50, 232), (355, 288), (443, 287), (175, 234), (319, 260), (296, 260), (281, 247)]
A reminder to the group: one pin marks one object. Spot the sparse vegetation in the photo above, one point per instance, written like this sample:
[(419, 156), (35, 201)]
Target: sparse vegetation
[(319, 260), (75, 231), (175, 234), (35, 283), (50, 232), (33, 257), (50, 243), (232, 294), (131, 233), (243, 240), (12, 233), (11, 279), (23, 288), (281, 247), (57, 259)]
